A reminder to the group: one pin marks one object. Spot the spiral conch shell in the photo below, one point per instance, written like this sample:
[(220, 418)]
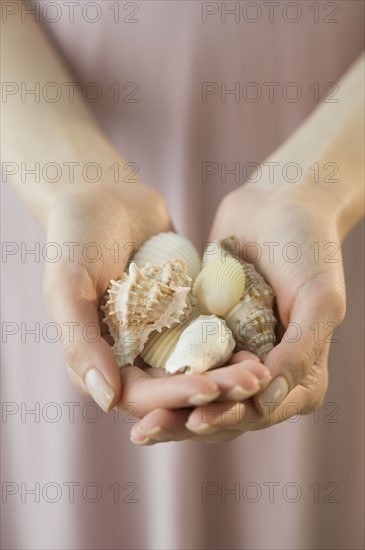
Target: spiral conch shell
[(207, 342), (169, 246), (143, 301), (219, 286), (252, 320)]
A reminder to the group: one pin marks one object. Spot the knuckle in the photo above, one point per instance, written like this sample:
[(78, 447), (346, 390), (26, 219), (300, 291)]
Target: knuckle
[(320, 390), (77, 381), (158, 200), (157, 417), (316, 389), (70, 350), (312, 404), (133, 410), (131, 392), (159, 206), (320, 397), (304, 365)]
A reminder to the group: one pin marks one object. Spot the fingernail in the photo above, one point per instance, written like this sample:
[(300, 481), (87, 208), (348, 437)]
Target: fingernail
[(238, 393), (140, 441), (201, 428), (99, 390), (157, 433), (264, 382), (274, 394), (261, 372), (201, 398)]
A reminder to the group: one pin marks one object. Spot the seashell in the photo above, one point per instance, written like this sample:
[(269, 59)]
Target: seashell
[(253, 327), (160, 345), (206, 343), (252, 320), (219, 286), (169, 246), (143, 301), (221, 250)]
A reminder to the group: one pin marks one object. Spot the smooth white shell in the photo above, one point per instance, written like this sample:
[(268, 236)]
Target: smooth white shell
[(169, 246), (219, 286), (206, 343)]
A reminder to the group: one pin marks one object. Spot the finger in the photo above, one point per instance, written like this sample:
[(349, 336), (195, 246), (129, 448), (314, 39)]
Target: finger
[(251, 363), (304, 399), (228, 416), (314, 316), (72, 302), (308, 395), (168, 392), (240, 381), (180, 390), (162, 425), (166, 425), (77, 382), (209, 418)]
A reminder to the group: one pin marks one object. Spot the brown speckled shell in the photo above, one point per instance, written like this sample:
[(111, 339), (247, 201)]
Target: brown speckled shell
[(252, 320)]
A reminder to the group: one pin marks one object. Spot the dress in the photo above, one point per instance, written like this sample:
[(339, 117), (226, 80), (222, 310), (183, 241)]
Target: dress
[(299, 484)]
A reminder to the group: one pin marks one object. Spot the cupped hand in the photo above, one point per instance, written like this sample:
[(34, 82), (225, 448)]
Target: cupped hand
[(98, 229), (291, 235)]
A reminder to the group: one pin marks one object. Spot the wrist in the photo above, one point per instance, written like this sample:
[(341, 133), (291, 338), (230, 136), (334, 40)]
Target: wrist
[(326, 201), (135, 208)]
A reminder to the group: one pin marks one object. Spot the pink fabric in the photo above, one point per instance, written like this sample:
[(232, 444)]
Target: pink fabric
[(169, 133)]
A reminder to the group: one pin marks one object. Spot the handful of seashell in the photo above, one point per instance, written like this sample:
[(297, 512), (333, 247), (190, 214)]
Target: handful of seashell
[(186, 315)]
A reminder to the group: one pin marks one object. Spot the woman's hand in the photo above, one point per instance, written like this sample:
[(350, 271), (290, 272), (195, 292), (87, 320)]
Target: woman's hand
[(291, 235), (98, 229), (297, 229)]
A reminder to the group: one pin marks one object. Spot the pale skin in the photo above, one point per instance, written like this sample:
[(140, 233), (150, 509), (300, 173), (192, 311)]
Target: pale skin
[(221, 404)]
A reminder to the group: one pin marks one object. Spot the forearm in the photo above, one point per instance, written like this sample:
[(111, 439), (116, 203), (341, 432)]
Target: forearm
[(333, 133), (61, 132)]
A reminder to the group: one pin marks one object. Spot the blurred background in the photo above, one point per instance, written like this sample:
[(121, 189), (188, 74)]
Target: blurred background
[(70, 477)]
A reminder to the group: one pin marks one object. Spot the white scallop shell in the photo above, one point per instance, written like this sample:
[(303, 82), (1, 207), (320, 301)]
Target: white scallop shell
[(206, 343), (143, 301), (217, 250), (160, 345), (169, 246), (219, 286)]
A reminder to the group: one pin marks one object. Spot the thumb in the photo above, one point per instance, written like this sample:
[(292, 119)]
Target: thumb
[(73, 302), (315, 315)]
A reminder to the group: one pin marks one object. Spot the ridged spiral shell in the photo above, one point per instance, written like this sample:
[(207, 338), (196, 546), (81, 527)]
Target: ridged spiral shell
[(145, 300), (169, 246), (219, 286), (252, 320), (253, 327)]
